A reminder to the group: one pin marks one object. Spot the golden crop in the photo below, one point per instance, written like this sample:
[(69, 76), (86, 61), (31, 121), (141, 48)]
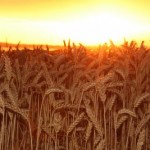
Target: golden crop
[(75, 99)]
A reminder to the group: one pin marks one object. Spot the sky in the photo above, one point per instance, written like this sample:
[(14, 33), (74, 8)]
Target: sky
[(86, 21)]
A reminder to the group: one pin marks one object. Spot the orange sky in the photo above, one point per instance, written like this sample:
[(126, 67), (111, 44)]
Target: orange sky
[(86, 21)]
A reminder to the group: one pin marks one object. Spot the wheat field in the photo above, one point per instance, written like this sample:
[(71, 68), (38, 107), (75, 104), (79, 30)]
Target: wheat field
[(75, 99)]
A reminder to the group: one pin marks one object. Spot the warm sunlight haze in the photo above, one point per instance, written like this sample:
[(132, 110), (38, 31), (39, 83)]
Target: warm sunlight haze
[(86, 21), (74, 74)]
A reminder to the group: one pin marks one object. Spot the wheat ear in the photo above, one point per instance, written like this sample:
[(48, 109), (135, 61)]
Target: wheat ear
[(75, 123), (127, 111), (88, 131), (141, 124), (95, 122), (141, 140), (101, 145), (141, 99)]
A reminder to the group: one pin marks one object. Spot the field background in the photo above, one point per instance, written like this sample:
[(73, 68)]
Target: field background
[(74, 98)]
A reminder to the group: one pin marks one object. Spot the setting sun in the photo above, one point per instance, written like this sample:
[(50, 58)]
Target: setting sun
[(90, 22)]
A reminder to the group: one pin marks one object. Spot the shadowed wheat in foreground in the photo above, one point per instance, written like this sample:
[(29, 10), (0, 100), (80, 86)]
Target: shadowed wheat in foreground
[(75, 99)]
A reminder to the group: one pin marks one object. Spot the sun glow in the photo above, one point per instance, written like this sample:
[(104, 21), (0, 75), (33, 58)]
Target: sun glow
[(101, 28), (90, 28)]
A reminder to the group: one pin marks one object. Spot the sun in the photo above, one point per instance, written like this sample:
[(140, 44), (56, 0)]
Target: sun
[(90, 29), (101, 27)]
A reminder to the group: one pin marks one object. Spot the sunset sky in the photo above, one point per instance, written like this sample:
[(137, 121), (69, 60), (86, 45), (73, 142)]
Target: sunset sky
[(87, 21)]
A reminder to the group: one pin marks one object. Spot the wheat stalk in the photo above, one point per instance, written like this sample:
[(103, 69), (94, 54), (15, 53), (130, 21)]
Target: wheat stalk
[(121, 120), (121, 73), (8, 68), (37, 77), (23, 113), (57, 122), (60, 59), (141, 140), (141, 124), (75, 123), (53, 90), (141, 99), (95, 122), (110, 102), (88, 131), (127, 111), (10, 95), (47, 75), (101, 145)]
